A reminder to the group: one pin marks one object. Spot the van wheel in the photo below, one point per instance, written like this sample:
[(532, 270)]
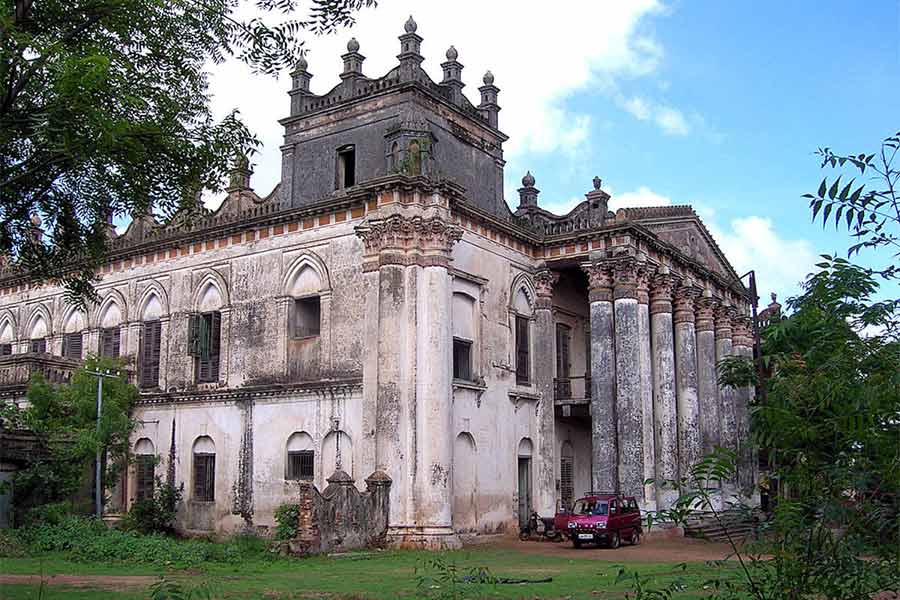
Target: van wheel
[(636, 537), (614, 540), (576, 544)]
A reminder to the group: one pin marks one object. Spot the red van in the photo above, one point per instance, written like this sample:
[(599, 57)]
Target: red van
[(602, 518)]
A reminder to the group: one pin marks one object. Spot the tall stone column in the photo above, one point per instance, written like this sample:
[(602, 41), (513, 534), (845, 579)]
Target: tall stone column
[(604, 470), (727, 420), (689, 446), (544, 483), (629, 403), (743, 346), (706, 373), (408, 245), (646, 360), (665, 410)]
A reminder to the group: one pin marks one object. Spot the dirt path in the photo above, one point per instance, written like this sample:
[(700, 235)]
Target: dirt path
[(675, 550), (106, 582)]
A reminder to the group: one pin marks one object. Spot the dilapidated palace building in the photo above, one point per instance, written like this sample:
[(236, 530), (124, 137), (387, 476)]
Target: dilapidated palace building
[(382, 312)]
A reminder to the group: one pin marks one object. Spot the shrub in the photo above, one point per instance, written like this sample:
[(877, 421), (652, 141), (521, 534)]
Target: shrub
[(88, 540), (286, 517), (157, 513)]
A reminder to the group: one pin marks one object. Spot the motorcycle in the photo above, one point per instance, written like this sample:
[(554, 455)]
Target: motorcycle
[(540, 528)]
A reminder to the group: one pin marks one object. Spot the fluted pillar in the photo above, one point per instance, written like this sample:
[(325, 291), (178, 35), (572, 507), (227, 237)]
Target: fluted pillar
[(689, 447), (706, 373), (629, 403), (727, 420), (604, 464), (646, 361), (743, 346), (665, 410), (545, 479)]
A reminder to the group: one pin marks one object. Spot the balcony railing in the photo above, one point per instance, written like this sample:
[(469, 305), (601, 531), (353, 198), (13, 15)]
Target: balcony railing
[(566, 389), (17, 369)]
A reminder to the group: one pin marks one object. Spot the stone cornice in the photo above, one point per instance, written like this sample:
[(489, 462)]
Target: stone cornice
[(313, 388)]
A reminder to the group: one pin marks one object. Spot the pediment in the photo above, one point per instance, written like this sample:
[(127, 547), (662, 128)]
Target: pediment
[(692, 239)]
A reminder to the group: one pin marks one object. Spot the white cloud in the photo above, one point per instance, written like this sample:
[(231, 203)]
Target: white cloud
[(539, 56), (643, 196), (753, 243), (669, 119)]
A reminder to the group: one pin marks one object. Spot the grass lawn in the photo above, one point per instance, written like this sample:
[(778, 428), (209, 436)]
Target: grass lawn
[(390, 574)]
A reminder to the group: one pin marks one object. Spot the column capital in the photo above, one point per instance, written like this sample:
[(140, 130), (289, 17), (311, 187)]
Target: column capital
[(685, 295), (408, 240), (544, 280), (625, 274), (642, 288), (705, 307), (724, 315), (662, 288), (742, 331), (600, 281)]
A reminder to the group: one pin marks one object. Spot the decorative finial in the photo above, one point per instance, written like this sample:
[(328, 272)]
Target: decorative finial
[(352, 45), (528, 180), (410, 26), (488, 78), (301, 63), (774, 298), (452, 54), (597, 182)]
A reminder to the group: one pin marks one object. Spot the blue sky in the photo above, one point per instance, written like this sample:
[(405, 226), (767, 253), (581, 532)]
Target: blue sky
[(715, 104)]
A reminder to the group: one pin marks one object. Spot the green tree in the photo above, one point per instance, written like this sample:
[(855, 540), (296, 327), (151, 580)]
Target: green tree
[(104, 110), (830, 420), (64, 418)]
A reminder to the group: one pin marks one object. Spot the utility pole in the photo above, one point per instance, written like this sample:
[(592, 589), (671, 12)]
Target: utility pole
[(98, 487)]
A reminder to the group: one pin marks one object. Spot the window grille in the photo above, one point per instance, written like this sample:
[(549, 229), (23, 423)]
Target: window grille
[(72, 345), (38, 345), (5, 349), (109, 342), (205, 343), (145, 466), (567, 481), (523, 352), (301, 464), (151, 335), (204, 477)]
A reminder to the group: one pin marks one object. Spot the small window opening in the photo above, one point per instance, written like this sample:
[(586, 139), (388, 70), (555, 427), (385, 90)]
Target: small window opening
[(5, 349), (110, 345), (346, 167), (38, 345), (307, 317), (205, 345), (462, 359), (523, 347), (300, 464)]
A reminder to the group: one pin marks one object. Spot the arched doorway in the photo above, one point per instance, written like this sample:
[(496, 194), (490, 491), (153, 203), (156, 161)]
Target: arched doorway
[(524, 464), (465, 513)]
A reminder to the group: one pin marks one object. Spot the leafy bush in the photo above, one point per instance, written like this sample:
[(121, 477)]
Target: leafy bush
[(88, 540), (53, 513), (155, 514), (286, 516)]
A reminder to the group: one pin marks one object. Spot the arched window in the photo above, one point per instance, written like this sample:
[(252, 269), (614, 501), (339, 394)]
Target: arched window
[(38, 335), (395, 156), (301, 457), (7, 337), (151, 341), (144, 469), (463, 318), (204, 469), (110, 322), (522, 336), (73, 338), (205, 333)]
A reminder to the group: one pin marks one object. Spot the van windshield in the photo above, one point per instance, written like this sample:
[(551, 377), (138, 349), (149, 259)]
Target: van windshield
[(587, 507)]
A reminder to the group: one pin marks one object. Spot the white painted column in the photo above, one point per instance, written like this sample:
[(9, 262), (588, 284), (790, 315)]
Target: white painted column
[(629, 403), (726, 394), (689, 447), (643, 298), (604, 463), (706, 374), (664, 389), (544, 485)]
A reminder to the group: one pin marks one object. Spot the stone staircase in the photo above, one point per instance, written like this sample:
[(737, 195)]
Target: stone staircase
[(740, 524)]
